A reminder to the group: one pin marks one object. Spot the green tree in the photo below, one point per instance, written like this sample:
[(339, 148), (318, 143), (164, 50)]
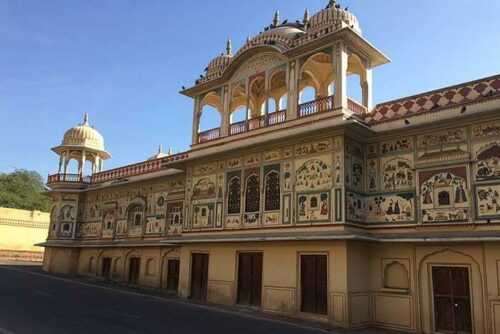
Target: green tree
[(23, 189)]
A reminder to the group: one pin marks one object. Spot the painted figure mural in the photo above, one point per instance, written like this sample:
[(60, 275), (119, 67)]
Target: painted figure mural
[(397, 174), (313, 207), (443, 195), (488, 201), (313, 174), (488, 165)]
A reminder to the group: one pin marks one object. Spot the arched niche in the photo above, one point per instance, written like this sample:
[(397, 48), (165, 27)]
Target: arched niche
[(396, 276)]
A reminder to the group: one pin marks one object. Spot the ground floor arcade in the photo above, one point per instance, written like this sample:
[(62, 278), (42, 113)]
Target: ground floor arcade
[(414, 287)]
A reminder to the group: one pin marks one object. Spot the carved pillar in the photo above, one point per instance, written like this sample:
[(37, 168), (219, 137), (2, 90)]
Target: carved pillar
[(341, 58), (367, 90), (66, 162), (266, 95), (224, 130), (196, 120), (293, 96)]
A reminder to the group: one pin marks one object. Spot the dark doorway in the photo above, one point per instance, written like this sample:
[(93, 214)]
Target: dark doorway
[(199, 276), (313, 282), (249, 278), (134, 270), (452, 312), (106, 267), (172, 275)]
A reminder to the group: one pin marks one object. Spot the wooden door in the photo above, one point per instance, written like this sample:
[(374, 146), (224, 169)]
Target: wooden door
[(313, 282), (199, 276), (173, 275), (134, 270), (452, 305), (249, 279), (106, 267)]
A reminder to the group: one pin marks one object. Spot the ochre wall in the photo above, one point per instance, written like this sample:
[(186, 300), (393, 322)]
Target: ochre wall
[(20, 230), (369, 284)]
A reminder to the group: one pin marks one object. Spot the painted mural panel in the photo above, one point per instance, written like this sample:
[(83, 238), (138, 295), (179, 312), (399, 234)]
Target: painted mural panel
[(488, 201), (233, 221), (271, 218), (89, 230), (391, 208), (397, 173), (108, 223), (357, 172), (485, 130), (372, 175), (287, 176), (314, 173), (488, 162), (313, 148), (175, 217), (355, 207), (155, 225), (204, 187), (444, 195), (394, 208), (203, 215), (313, 207), (399, 145)]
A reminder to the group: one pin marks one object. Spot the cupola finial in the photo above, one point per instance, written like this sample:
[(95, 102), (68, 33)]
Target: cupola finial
[(306, 18), (229, 47), (86, 119), (276, 19), (160, 149), (331, 3)]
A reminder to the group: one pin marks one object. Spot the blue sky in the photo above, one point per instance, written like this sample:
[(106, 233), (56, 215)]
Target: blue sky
[(124, 62)]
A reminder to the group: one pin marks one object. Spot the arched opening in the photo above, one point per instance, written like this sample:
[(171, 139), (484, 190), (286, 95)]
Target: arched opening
[(318, 72), (135, 219), (88, 167), (210, 118), (257, 95), (252, 194), (151, 267), (283, 102), (238, 115), (72, 166), (396, 276), (307, 94)]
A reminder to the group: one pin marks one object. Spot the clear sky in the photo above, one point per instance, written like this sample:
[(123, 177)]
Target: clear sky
[(124, 62)]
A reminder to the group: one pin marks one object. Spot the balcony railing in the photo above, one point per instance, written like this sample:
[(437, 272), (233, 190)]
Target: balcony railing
[(314, 107), (145, 167), (356, 107), (245, 126), (306, 109), (209, 135), (68, 178)]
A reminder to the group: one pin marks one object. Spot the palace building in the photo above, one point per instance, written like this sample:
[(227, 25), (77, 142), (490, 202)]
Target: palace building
[(328, 207)]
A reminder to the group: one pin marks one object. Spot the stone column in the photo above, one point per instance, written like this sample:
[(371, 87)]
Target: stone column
[(341, 58), (367, 90), (226, 113), (293, 94), (196, 120)]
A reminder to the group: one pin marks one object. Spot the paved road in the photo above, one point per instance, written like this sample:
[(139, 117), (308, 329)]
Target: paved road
[(35, 303)]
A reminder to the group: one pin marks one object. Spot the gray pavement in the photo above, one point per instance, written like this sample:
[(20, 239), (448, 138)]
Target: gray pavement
[(33, 302)]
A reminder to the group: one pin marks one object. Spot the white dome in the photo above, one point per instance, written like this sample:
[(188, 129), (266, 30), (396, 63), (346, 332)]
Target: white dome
[(84, 135), (333, 16)]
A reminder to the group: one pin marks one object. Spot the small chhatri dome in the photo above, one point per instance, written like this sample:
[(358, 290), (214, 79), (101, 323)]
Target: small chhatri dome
[(84, 136), (333, 15), (219, 63), (160, 154)]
